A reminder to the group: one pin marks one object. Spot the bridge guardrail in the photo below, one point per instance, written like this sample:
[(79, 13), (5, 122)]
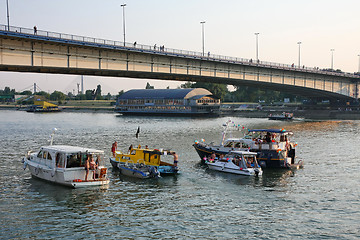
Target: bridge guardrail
[(178, 52)]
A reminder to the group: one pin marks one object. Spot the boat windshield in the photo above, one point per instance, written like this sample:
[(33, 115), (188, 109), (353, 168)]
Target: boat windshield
[(250, 161), (78, 159)]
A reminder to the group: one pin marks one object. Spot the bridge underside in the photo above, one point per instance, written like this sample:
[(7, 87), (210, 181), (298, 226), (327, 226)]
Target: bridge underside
[(38, 54), (295, 90)]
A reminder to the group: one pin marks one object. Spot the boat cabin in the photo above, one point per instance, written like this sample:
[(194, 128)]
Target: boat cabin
[(236, 143), (241, 159), (61, 156), (139, 155), (269, 139)]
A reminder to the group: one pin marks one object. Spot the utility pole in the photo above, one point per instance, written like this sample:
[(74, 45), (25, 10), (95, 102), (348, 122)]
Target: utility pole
[(299, 52), (257, 46), (203, 41), (8, 16), (123, 6)]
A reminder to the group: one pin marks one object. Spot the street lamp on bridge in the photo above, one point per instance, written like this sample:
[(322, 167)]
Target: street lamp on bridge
[(123, 6), (332, 58), (203, 41), (257, 46), (299, 52), (8, 17)]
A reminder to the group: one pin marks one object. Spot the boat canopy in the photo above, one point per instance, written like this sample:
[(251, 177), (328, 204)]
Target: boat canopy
[(70, 149), (270, 130), (157, 151), (243, 153), (44, 104)]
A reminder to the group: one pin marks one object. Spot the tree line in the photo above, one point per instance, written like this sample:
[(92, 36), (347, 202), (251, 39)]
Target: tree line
[(243, 93), (59, 96)]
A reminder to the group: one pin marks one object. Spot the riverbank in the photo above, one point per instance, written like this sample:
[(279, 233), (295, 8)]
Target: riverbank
[(305, 114), (104, 106)]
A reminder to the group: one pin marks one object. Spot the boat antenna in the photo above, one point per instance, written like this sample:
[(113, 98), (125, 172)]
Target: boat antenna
[(52, 136), (226, 125)]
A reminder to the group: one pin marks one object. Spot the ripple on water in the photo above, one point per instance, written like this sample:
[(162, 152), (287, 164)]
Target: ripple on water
[(317, 202)]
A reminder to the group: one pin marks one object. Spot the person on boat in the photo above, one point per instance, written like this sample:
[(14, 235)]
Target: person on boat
[(93, 166), (268, 137), (87, 167), (250, 162), (212, 157), (114, 148), (176, 158), (146, 147), (130, 148)]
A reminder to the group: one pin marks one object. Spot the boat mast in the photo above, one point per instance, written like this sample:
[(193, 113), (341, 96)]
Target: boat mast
[(52, 136), (226, 125)]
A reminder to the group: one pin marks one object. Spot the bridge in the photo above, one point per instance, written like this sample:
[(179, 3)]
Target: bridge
[(30, 50)]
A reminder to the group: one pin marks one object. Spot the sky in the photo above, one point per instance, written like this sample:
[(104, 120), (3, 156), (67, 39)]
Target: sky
[(320, 25)]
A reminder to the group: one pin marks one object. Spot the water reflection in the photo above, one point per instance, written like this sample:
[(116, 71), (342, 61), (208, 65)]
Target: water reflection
[(320, 200)]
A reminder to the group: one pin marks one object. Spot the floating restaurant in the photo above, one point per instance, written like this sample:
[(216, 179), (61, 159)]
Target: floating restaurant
[(177, 102)]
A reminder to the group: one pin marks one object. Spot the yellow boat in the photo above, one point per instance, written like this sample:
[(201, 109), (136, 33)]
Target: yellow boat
[(43, 106), (143, 163)]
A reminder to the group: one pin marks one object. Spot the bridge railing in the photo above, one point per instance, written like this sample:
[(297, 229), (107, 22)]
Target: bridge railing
[(167, 51)]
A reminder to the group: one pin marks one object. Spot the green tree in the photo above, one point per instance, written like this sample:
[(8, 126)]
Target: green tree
[(108, 96), (186, 85), (120, 93), (27, 92), (219, 90), (44, 94), (98, 93), (89, 94), (80, 97), (57, 96)]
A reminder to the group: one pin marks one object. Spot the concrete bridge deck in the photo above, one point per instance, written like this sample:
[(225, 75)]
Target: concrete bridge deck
[(23, 50)]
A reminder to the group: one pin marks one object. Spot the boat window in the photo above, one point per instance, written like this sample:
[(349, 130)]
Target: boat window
[(237, 145), (250, 161), (74, 160), (49, 156), (133, 152), (60, 160), (40, 154)]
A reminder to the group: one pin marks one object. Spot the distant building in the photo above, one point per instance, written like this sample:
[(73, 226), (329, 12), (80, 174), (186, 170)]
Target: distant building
[(188, 101), (7, 98)]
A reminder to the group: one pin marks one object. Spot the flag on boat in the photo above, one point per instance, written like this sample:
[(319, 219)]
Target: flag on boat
[(137, 132)]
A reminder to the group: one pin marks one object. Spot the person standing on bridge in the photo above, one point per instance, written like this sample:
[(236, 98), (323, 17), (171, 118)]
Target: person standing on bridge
[(35, 30)]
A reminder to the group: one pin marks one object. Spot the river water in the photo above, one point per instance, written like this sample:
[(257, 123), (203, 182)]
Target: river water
[(320, 201)]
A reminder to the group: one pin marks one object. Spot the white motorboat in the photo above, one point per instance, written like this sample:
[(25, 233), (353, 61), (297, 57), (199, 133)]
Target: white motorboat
[(237, 162), (65, 165), (274, 148)]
